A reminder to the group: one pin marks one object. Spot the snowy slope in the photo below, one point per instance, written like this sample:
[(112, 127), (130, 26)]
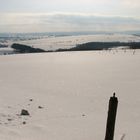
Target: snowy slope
[(73, 88), (53, 43)]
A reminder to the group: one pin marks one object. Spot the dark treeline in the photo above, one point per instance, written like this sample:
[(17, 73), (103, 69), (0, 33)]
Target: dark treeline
[(19, 48), (102, 46), (134, 45)]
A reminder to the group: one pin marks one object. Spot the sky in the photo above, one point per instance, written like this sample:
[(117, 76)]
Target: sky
[(69, 15)]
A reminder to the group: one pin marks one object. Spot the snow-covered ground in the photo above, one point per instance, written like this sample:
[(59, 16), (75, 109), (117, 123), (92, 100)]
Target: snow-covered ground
[(64, 42), (53, 43), (6, 50), (73, 88)]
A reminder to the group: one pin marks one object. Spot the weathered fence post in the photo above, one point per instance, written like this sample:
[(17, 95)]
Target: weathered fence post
[(112, 110)]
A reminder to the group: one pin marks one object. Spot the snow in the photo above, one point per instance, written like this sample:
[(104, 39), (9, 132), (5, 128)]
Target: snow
[(53, 43), (74, 89), (6, 51)]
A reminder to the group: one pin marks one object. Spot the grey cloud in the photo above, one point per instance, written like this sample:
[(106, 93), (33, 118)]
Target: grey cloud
[(68, 22)]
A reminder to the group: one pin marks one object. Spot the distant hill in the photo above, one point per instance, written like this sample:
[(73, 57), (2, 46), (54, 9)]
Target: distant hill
[(26, 49), (19, 48)]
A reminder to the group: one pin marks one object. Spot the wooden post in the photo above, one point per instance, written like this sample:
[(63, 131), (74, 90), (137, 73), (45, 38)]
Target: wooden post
[(112, 110)]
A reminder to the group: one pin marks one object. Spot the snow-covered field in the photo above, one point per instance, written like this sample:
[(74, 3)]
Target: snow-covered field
[(73, 88), (6, 50), (53, 43)]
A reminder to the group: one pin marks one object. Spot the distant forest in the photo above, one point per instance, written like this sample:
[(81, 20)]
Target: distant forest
[(19, 48), (102, 46)]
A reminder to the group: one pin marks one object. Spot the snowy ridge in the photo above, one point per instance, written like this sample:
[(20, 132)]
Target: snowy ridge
[(65, 42)]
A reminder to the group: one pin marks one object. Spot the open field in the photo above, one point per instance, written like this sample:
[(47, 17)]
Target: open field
[(73, 88), (66, 42)]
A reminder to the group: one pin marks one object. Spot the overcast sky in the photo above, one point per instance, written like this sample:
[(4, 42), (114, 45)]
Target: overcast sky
[(69, 15)]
